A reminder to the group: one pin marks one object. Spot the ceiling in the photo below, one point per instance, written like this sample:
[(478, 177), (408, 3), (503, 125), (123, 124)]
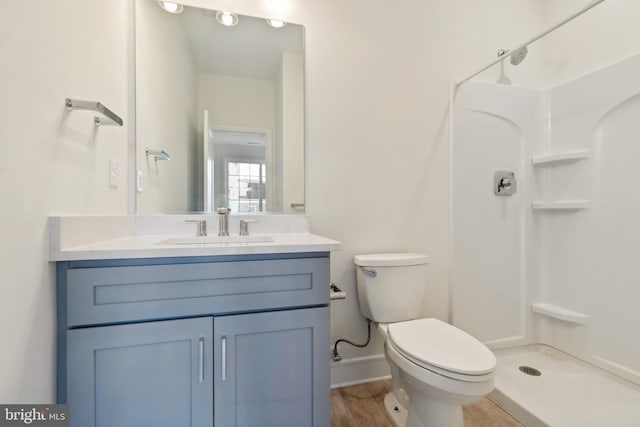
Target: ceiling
[(251, 49), (223, 136)]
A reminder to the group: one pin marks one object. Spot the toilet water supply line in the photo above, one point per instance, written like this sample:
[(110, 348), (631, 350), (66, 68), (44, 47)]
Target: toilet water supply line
[(334, 353), (337, 293)]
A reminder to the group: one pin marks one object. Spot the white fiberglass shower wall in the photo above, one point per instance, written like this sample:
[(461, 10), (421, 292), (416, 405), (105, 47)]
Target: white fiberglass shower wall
[(557, 262)]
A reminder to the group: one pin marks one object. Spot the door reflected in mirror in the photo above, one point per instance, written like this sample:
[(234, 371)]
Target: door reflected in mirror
[(227, 104)]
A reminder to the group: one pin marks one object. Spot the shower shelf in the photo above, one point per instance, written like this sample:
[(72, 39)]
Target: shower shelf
[(559, 313), (566, 205), (549, 159)]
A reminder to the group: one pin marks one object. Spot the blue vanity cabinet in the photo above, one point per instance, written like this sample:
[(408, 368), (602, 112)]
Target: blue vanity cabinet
[(195, 341)]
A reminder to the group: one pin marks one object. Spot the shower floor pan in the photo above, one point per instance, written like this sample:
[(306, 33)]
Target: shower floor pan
[(567, 393)]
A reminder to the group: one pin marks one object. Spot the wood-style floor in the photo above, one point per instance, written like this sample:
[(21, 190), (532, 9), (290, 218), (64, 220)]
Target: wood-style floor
[(363, 406)]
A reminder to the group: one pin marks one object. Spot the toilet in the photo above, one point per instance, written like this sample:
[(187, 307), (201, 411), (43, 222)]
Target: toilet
[(435, 367)]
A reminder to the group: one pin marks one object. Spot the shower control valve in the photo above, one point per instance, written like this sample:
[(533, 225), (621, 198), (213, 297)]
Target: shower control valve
[(504, 183)]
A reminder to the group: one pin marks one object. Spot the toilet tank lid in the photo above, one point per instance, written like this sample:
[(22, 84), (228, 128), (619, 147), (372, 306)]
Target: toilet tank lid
[(382, 260)]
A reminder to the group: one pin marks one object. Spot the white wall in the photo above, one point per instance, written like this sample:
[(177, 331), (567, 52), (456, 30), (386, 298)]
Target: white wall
[(53, 162), (601, 36), (377, 150), (237, 101), (166, 115)]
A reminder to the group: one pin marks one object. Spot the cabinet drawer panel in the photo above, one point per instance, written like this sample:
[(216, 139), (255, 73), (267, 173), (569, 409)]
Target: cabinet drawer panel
[(140, 292), (171, 290)]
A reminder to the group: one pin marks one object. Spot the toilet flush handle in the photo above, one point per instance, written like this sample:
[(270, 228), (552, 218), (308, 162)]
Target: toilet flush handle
[(369, 271)]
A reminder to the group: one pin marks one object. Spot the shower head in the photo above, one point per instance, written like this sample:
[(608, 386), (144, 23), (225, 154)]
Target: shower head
[(518, 56)]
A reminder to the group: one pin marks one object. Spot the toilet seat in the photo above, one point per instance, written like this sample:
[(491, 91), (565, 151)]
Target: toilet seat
[(442, 348)]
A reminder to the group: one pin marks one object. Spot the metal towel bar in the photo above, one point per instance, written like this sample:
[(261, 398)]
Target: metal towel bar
[(157, 154), (108, 117)]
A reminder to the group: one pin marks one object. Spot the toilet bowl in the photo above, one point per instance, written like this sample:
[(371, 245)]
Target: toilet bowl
[(430, 387), (435, 367)]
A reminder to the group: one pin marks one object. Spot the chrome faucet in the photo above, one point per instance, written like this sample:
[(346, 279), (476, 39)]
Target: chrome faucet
[(223, 229), (202, 227)]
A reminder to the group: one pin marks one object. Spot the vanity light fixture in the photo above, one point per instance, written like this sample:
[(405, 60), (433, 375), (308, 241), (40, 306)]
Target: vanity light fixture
[(227, 18), (275, 23), (171, 7)]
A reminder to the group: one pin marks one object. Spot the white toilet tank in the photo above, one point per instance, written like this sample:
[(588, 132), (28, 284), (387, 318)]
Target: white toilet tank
[(391, 287)]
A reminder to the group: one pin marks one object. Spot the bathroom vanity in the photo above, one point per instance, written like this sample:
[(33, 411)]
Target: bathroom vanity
[(234, 336)]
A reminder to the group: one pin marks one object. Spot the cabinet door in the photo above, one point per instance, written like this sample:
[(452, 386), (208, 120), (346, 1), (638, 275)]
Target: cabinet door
[(146, 374), (272, 369)]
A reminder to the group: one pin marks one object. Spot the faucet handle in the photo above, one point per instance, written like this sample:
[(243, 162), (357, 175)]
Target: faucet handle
[(202, 226), (223, 229), (244, 226)]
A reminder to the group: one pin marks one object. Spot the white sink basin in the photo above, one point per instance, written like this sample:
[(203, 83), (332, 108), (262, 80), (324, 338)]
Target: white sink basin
[(215, 240)]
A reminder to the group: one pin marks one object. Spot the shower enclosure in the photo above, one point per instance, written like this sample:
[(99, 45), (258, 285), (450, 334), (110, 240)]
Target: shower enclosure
[(547, 274)]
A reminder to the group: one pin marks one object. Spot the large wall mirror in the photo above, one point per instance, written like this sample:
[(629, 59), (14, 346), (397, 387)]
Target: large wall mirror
[(219, 112)]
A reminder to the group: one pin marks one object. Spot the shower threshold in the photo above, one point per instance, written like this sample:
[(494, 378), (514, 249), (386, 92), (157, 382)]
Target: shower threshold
[(567, 393)]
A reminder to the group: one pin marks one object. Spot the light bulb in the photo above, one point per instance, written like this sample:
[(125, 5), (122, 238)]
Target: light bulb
[(171, 7), (227, 18), (276, 23)]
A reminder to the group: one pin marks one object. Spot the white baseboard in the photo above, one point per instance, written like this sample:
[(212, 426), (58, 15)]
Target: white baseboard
[(359, 370)]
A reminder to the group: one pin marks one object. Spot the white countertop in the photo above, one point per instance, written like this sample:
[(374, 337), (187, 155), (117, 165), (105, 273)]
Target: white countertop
[(72, 239), (156, 247)]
